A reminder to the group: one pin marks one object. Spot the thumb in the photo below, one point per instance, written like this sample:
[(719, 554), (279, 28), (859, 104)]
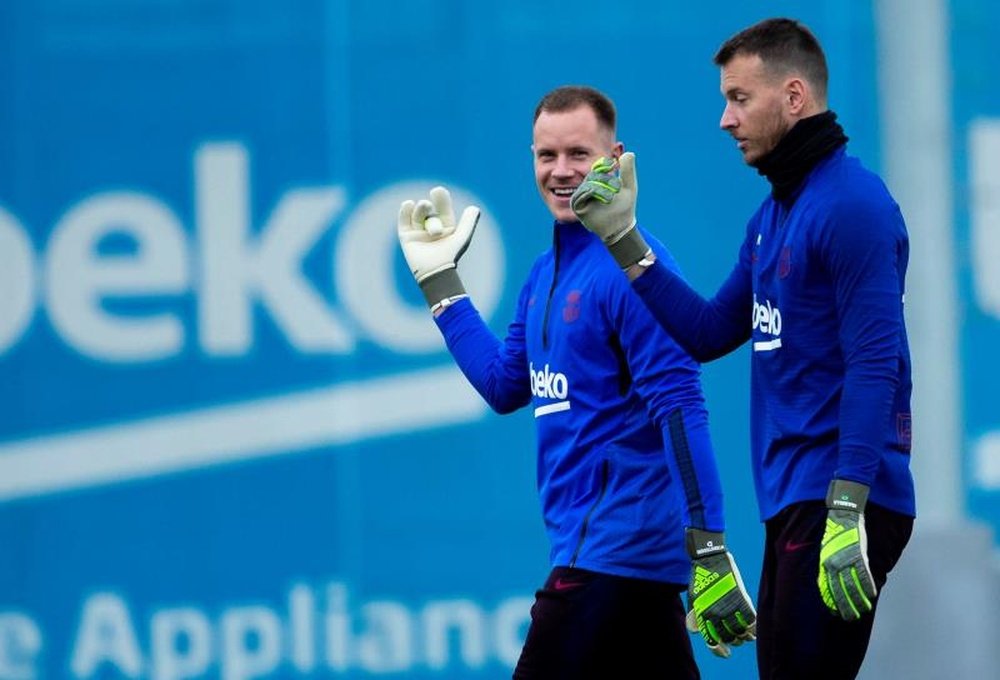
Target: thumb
[(627, 167), (466, 228)]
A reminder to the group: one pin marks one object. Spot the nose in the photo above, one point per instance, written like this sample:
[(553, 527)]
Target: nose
[(728, 120), (562, 168)]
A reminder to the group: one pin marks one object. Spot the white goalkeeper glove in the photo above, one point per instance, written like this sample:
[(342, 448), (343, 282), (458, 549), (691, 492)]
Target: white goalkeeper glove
[(433, 242)]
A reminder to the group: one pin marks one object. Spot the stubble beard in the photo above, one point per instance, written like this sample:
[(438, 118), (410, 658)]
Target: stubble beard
[(776, 131)]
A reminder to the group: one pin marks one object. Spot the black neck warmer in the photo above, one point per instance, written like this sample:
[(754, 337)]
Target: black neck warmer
[(799, 150)]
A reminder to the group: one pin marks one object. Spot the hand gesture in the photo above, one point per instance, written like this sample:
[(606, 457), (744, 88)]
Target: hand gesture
[(433, 242), (605, 204)]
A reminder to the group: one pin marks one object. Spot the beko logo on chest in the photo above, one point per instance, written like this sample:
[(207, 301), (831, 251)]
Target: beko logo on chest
[(549, 384), (766, 319)]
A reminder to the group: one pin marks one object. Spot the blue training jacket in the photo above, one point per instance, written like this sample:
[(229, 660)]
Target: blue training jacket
[(818, 287), (625, 460)]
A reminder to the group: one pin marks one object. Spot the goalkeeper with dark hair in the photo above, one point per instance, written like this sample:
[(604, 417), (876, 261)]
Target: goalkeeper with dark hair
[(818, 288)]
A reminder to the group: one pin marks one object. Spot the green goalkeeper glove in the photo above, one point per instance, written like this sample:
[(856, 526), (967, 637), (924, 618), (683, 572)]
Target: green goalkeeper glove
[(845, 579), (719, 607), (432, 243), (605, 204)]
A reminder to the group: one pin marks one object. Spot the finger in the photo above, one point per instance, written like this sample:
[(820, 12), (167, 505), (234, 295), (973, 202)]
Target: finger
[(595, 191), (627, 165), (720, 650), (603, 164), (749, 623), (734, 626), (691, 620), (856, 591), (609, 182), (434, 226), (441, 200), (725, 630), (583, 195), (421, 212), (405, 222), (842, 597), (867, 580), (709, 632), (826, 589), (711, 638)]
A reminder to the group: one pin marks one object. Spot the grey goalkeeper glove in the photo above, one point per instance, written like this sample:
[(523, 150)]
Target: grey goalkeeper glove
[(605, 204), (433, 242), (845, 580), (719, 607)]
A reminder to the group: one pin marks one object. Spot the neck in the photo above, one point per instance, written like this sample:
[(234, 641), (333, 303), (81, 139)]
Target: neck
[(810, 140)]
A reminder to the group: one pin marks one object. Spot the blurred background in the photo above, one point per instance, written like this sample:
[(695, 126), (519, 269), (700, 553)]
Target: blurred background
[(231, 442)]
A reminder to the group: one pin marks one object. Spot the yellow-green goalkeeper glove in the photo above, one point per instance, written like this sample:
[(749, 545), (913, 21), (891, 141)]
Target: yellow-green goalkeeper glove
[(719, 607), (845, 579), (432, 243), (605, 204)]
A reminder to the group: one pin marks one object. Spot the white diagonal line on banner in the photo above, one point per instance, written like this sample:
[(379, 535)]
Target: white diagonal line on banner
[(271, 426)]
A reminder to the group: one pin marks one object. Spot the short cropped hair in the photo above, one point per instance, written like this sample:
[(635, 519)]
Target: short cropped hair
[(785, 46), (571, 97)]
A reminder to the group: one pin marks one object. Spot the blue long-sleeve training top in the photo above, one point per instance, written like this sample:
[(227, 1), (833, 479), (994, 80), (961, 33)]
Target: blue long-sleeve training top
[(818, 288), (625, 460)]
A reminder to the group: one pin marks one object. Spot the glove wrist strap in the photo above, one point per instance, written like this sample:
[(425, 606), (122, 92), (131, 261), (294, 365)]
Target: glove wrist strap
[(630, 248), (844, 494), (701, 543), (442, 285)]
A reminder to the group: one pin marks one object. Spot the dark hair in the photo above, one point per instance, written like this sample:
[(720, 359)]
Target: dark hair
[(571, 97), (784, 45)]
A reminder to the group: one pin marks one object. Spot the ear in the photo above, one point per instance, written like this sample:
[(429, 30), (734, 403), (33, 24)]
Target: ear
[(617, 150), (797, 95)]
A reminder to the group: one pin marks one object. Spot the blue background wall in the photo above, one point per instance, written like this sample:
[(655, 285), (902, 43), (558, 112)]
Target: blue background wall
[(294, 481), (976, 107)]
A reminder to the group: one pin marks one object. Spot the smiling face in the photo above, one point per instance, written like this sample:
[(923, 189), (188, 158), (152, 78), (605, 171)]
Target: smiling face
[(761, 107), (565, 144)]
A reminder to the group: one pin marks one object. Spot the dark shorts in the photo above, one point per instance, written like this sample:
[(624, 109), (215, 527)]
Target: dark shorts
[(590, 625), (797, 636)]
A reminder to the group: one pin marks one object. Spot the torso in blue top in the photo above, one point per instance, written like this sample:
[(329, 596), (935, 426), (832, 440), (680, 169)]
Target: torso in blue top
[(618, 408), (830, 368)]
